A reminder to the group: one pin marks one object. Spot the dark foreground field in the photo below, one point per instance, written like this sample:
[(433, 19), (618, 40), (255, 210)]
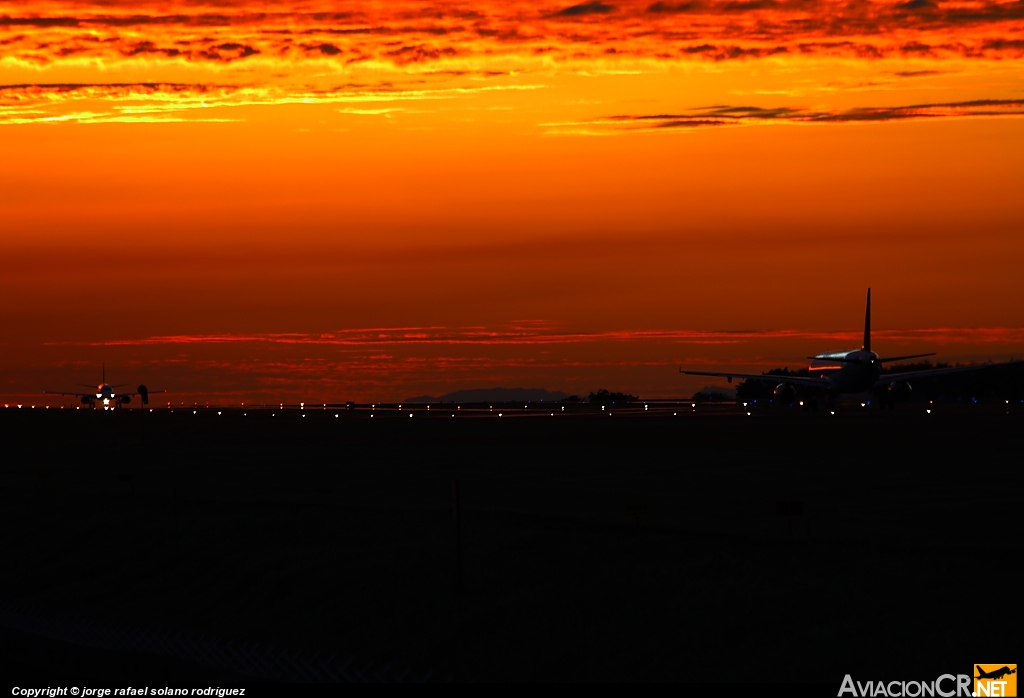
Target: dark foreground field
[(704, 547)]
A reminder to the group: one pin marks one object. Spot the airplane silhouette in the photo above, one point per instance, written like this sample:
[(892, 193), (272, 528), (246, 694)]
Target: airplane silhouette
[(853, 371), (996, 674), (107, 394)]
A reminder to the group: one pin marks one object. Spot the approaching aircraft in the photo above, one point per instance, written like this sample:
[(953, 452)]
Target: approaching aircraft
[(107, 394), (995, 674), (855, 371)]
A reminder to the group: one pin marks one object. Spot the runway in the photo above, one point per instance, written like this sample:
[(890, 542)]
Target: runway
[(698, 546)]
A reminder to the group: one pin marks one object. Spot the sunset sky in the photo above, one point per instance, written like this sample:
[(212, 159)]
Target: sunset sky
[(366, 200)]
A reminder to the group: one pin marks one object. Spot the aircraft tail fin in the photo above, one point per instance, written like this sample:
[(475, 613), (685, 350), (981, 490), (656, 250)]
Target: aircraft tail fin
[(867, 324), (104, 373)]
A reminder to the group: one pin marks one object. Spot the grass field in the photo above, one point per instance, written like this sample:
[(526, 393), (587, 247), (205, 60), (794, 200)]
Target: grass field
[(703, 547)]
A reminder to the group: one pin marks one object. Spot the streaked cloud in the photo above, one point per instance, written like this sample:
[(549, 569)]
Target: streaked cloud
[(727, 115), (31, 103), (526, 335), (404, 32)]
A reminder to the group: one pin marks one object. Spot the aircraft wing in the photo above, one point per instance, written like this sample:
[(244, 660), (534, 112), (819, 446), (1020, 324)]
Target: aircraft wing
[(768, 378), (911, 375)]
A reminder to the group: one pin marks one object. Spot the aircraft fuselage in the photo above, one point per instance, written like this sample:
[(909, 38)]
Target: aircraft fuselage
[(106, 394), (854, 371)]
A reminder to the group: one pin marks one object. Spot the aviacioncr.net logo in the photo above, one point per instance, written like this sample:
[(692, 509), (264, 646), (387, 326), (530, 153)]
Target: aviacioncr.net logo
[(995, 680), (945, 686)]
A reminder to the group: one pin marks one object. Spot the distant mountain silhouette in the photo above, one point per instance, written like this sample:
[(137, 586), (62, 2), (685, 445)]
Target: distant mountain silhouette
[(495, 395), (715, 392)]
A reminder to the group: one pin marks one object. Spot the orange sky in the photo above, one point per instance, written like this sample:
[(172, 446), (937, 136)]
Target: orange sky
[(368, 201)]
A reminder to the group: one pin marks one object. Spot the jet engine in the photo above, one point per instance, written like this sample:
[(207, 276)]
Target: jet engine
[(144, 394), (125, 399), (86, 400), (900, 389), (785, 393)]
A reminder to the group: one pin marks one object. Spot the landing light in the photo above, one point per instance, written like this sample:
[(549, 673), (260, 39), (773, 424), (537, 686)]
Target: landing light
[(410, 414), (832, 412), (928, 411), (218, 413), (335, 416), (863, 404), (801, 403)]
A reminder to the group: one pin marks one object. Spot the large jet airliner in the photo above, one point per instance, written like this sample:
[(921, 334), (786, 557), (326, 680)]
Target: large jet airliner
[(108, 394), (854, 371)]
